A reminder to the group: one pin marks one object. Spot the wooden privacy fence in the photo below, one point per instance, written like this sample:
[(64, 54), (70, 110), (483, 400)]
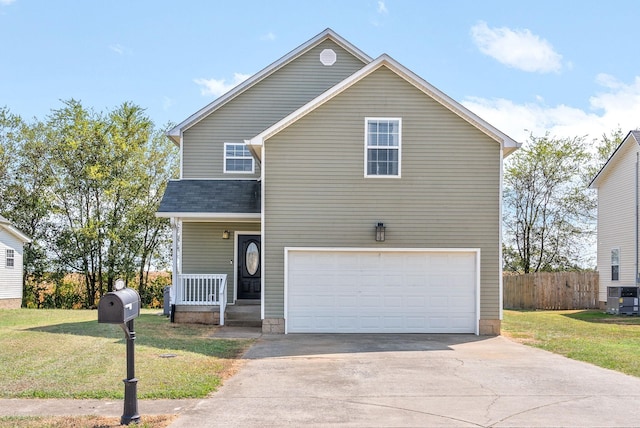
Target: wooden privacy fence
[(551, 290)]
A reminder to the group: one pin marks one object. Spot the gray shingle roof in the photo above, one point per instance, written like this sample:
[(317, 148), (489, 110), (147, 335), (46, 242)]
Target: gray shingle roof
[(211, 196)]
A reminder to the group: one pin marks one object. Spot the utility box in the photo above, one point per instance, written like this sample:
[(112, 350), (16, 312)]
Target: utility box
[(622, 301), (119, 307)]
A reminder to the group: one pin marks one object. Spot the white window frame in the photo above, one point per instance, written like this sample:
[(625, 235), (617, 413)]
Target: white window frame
[(253, 162), (367, 147), (617, 251), (10, 255)]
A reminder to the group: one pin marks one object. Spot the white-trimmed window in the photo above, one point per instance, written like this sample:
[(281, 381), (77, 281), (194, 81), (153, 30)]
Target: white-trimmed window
[(10, 259), (615, 264), (238, 159), (383, 144)]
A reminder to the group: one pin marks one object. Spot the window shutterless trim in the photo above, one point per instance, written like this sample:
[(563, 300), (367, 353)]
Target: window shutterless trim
[(398, 148), (615, 268), (10, 260), (226, 158)]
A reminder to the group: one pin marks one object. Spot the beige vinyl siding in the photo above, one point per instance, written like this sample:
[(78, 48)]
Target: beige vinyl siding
[(10, 278), (616, 218), (316, 193), (204, 250), (259, 107)]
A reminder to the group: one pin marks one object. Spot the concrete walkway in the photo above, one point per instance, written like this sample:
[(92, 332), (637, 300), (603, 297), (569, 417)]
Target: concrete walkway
[(392, 381), (110, 408)]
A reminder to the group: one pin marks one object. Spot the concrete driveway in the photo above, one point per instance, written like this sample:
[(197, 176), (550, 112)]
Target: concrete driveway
[(415, 381)]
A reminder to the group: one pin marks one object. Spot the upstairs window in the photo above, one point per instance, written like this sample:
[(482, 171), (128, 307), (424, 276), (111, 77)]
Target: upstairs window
[(615, 264), (10, 259), (383, 139), (238, 159)]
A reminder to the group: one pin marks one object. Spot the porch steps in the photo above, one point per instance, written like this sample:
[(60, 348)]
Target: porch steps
[(245, 313)]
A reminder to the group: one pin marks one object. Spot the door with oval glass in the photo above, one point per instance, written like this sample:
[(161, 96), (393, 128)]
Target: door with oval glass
[(248, 267)]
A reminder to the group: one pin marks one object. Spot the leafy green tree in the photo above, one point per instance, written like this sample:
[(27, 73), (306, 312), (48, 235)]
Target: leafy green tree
[(154, 234), (24, 190), (604, 148), (547, 208), (85, 186), (10, 130), (77, 139)]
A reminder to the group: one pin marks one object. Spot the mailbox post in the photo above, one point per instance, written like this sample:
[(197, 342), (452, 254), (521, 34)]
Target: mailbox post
[(121, 307)]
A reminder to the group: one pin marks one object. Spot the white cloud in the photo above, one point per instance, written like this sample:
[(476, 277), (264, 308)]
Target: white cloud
[(117, 48), (617, 106), (217, 87), (516, 48), (382, 8), (6, 2), (166, 103), (269, 37)]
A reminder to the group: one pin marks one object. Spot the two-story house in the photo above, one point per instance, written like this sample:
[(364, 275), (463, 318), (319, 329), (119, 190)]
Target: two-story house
[(343, 194), (618, 186)]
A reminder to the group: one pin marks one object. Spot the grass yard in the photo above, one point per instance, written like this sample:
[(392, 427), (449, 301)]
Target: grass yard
[(82, 422), (67, 354), (592, 336)]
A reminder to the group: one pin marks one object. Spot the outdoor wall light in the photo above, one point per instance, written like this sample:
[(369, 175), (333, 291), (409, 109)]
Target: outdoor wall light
[(380, 232), (225, 234)]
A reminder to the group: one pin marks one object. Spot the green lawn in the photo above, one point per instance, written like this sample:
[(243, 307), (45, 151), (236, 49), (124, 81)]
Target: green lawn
[(592, 336), (67, 354)]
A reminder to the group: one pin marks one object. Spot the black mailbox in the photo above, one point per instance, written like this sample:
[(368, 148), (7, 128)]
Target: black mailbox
[(119, 307)]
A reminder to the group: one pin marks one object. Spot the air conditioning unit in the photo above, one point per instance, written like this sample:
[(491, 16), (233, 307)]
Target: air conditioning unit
[(622, 300)]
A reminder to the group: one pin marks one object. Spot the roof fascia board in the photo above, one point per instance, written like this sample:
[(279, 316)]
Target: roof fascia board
[(595, 182), (508, 144), (177, 130), (15, 232), (211, 216)]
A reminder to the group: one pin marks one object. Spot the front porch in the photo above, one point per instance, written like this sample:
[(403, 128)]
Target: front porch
[(199, 298), (202, 299)]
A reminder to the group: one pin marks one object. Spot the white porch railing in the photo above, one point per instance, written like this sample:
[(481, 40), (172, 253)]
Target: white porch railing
[(203, 290)]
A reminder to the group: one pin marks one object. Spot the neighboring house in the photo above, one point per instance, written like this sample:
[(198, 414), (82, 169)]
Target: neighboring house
[(344, 194), (617, 184), (11, 252)]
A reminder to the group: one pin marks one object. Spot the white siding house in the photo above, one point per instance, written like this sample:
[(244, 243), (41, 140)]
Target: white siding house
[(11, 255), (617, 185)]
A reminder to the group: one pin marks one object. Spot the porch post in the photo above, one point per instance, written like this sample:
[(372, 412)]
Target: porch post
[(174, 260)]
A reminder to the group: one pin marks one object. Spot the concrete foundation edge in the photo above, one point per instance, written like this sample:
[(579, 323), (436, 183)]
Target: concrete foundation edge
[(277, 326), (489, 327), (10, 303), (196, 315), (273, 326)]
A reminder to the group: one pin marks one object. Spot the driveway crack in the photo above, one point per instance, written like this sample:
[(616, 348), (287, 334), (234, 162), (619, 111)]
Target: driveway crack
[(578, 398), (386, 406)]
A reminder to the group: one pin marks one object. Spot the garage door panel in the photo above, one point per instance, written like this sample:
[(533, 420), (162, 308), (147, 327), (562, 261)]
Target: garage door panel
[(390, 292), (394, 302)]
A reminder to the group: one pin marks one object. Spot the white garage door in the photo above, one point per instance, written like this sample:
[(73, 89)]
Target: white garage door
[(394, 291)]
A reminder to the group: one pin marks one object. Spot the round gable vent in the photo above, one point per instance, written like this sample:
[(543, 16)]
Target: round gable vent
[(328, 57)]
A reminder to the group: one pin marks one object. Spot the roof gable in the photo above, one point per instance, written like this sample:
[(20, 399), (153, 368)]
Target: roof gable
[(176, 131), (508, 144), (6, 224), (632, 136)]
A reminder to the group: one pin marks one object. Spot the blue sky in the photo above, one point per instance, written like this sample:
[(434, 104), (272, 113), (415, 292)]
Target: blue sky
[(570, 68)]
